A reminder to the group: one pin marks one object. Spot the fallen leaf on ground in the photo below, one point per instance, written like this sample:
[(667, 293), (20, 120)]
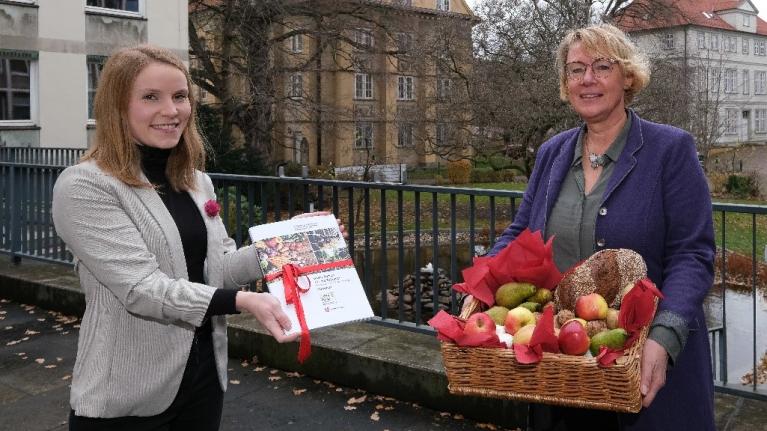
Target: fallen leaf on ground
[(350, 408), (274, 378), (294, 374), (357, 400), (59, 359), (298, 391), (31, 332), (11, 343), (234, 382), (375, 417), (259, 369), (244, 363), (379, 406), (274, 371), (40, 360), (490, 427), (51, 366), (458, 417), (444, 414), (67, 377)]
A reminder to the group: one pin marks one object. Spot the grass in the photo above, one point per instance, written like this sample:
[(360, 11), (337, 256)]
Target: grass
[(740, 228)]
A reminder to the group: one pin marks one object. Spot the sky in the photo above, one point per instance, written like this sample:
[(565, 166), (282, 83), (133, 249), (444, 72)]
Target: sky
[(761, 5)]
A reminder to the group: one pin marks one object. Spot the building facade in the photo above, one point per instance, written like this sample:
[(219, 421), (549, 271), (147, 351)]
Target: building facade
[(722, 45), (52, 51)]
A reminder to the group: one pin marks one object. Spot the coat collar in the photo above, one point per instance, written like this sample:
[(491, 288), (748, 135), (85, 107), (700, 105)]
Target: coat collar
[(624, 165)]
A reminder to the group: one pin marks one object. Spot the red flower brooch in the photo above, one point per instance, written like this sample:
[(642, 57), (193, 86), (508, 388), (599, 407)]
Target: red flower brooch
[(212, 208)]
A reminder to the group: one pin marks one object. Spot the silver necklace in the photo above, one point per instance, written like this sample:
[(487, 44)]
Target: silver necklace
[(595, 160)]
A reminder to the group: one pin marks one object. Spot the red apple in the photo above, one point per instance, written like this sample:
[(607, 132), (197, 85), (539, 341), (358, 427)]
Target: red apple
[(573, 339), (524, 334), (479, 323), (517, 318), (591, 307)]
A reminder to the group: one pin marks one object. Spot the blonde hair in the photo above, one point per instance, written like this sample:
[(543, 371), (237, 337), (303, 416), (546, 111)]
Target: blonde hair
[(114, 149), (605, 40)]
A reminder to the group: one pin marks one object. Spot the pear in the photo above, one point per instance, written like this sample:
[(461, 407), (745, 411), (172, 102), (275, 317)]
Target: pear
[(541, 296), (613, 339), (498, 314), (532, 306), (510, 295)]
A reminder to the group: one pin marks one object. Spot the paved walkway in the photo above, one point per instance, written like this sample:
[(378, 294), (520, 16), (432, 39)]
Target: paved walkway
[(37, 353)]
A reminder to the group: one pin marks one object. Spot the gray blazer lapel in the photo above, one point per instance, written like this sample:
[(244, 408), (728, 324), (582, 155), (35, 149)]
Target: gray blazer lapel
[(157, 208), (213, 263)]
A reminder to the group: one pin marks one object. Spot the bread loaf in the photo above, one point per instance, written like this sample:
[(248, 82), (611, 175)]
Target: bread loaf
[(606, 272)]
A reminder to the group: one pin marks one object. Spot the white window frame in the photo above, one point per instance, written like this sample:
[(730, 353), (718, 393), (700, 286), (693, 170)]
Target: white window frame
[(298, 148), (760, 82), (89, 90), (405, 135), (746, 20), (760, 121), (34, 82), (746, 82), (744, 49), (363, 86), (404, 42), (668, 41), (297, 43), (759, 48), (363, 135), (730, 80), (732, 44), (714, 42), (296, 86), (701, 40), (731, 116), (109, 11), (363, 37), (405, 88), (443, 5)]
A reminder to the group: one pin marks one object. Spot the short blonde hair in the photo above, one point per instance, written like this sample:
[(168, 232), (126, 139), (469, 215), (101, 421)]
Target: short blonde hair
[(114, 149), (606, 40)]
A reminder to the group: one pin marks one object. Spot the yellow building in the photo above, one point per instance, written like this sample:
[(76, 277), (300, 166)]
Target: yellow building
[(382, 88)]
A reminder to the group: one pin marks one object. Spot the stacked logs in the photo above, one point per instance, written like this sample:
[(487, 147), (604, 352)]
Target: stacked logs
[(426, 278)]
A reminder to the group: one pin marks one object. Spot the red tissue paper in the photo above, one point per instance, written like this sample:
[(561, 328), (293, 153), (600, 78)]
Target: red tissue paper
[(450, 328), (526, 259)]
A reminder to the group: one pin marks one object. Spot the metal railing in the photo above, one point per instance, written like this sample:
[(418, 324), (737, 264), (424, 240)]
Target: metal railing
[(395, 230)]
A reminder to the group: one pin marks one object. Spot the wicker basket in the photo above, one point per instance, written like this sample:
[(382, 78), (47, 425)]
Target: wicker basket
[(566, 380)]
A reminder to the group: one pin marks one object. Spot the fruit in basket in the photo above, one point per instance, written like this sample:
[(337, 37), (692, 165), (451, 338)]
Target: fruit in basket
[(573, 339), (498, 314), (612, 318), (532, 306), (613, 339), (479, 323), (541, 296), (563, 316), (579, 320), (524, 334), (512, 294), (591, 307), (594, 327), (517, 318)]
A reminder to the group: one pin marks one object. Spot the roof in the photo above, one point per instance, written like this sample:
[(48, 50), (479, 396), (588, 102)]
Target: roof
[(656, 14)]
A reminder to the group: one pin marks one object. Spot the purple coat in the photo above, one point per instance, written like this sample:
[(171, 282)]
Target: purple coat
[(657, 203)]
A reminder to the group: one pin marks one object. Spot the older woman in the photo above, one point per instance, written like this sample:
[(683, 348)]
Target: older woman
[(619, 181)]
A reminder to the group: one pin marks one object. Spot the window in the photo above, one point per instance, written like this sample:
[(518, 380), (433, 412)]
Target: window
[(441, 138), (668, 41), (128, 7), (714, 42), (701, 40), (363, 135), (297, 43), (296, 90), (730, 78), (299, 148), (443, 88), (404, 42), (746, 82), (94, 64), (746, 20), (363, 38), (731, 121), (715, 79), (731, 44), (443, 5), (759, 47), (760, 82), (363, 86), (760, 120), (405, 135), (405, 88), (745, 46), (17, 87)]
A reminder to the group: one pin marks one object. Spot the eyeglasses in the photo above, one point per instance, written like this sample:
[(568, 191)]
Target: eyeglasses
[(601, 68)]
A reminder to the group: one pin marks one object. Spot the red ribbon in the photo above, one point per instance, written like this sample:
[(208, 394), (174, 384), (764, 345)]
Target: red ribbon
[(290, 274)]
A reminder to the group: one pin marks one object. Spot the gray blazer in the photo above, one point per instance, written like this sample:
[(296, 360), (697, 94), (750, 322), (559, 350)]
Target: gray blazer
[(141, 310)]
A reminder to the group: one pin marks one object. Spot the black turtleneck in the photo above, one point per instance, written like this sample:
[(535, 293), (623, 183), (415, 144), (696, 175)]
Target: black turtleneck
[(190, 224)]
